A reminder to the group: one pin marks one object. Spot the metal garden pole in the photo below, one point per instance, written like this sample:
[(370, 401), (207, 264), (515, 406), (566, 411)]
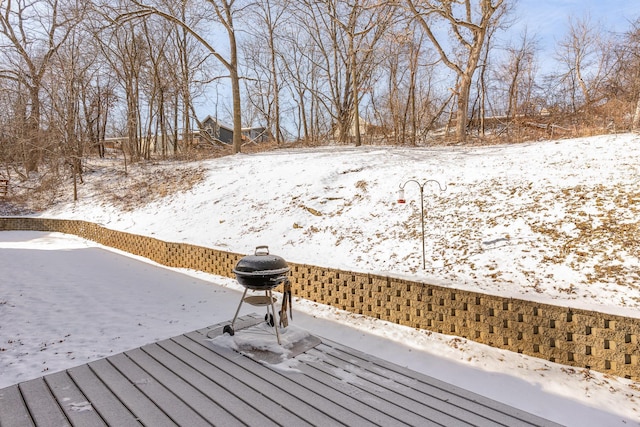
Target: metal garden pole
[(401, 199)]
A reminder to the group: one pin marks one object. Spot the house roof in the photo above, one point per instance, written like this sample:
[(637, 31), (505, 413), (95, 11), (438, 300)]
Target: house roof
[(220, 124)]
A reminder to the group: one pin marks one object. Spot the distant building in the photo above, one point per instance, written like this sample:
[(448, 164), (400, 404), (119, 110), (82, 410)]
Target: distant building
[(256, 134), (217, 130), (211, 131)]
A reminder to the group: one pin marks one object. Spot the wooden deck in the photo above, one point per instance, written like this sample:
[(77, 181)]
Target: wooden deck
[(186, 381)]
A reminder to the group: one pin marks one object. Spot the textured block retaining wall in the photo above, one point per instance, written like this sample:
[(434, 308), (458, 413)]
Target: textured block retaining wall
[(581, 338)]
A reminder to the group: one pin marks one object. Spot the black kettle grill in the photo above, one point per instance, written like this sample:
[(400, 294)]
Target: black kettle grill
[(259, 272)]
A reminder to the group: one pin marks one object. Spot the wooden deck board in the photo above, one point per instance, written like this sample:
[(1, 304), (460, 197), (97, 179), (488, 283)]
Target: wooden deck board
[(73, 402), (140, 406), (255, 394), (166, 375), (337, 401), (44, 409), (161, 397), (395, 406), (218, 385), (102, 399), (283, 402), (203, 394), (394, 394), (460, 398), (13, 411), (307, 398), (189, 381)]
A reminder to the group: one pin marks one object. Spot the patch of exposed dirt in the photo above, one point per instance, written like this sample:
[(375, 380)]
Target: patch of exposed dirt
[(150, 185), (106, 181)]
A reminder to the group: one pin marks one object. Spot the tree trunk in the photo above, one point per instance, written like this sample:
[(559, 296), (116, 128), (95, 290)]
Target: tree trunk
[(466, 67), (463, 105), (635, 125), (32, 132), (232, 66), (237, 112), (356, 98)]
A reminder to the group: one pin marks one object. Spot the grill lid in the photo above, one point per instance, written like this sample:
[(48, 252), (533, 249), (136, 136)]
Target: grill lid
[(261, 264)]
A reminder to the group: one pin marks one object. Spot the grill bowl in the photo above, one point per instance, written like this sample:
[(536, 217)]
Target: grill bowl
[(262, 270)]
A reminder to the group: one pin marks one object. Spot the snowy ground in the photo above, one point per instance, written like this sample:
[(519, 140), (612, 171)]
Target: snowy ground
[(549, 221), (554, 222)]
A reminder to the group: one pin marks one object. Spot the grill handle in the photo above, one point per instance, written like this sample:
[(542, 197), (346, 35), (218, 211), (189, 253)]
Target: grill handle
[(264, 248)]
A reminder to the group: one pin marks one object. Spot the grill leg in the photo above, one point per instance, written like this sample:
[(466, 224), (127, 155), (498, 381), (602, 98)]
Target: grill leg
[(233, 322), (273, 310)]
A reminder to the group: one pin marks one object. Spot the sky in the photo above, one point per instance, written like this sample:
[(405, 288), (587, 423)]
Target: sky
[(548, 18), (545, 19)]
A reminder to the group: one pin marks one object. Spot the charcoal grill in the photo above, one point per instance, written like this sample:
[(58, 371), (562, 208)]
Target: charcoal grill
[(261, 271)]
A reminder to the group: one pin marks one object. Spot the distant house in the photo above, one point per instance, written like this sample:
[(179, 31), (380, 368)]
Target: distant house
[(256, 134), (217, 130)]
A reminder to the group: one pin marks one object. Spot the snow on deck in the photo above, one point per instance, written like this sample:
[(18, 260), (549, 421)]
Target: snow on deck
[(191, 380)]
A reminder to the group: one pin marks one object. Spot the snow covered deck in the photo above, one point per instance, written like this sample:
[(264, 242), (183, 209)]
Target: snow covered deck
[(188, 381)]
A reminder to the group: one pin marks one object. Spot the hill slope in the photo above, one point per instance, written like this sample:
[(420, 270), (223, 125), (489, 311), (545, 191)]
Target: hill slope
[(549, 221)]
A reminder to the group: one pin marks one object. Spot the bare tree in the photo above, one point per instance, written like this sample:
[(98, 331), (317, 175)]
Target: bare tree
[(301, 61), (98, 98), (31, 32), (365, 24), (162, 85), (480, 104), (65, 87), (634, 38), (192, 73), (320, 77), (126, 52), (574, 53), (407, 106), (263, 55), (586, 58), (224, 12), (519, 71), (469, 24), (365, 27), (344, 35), (626, 83)]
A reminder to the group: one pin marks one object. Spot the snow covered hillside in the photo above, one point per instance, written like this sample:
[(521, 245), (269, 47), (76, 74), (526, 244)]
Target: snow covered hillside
[(550, 221)]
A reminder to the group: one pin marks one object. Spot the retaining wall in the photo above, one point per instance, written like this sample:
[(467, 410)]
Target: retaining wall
[(581, 338)]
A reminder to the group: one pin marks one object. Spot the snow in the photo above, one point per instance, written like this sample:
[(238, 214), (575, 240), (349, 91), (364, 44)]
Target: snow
[(554, 222), (260, 342)]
